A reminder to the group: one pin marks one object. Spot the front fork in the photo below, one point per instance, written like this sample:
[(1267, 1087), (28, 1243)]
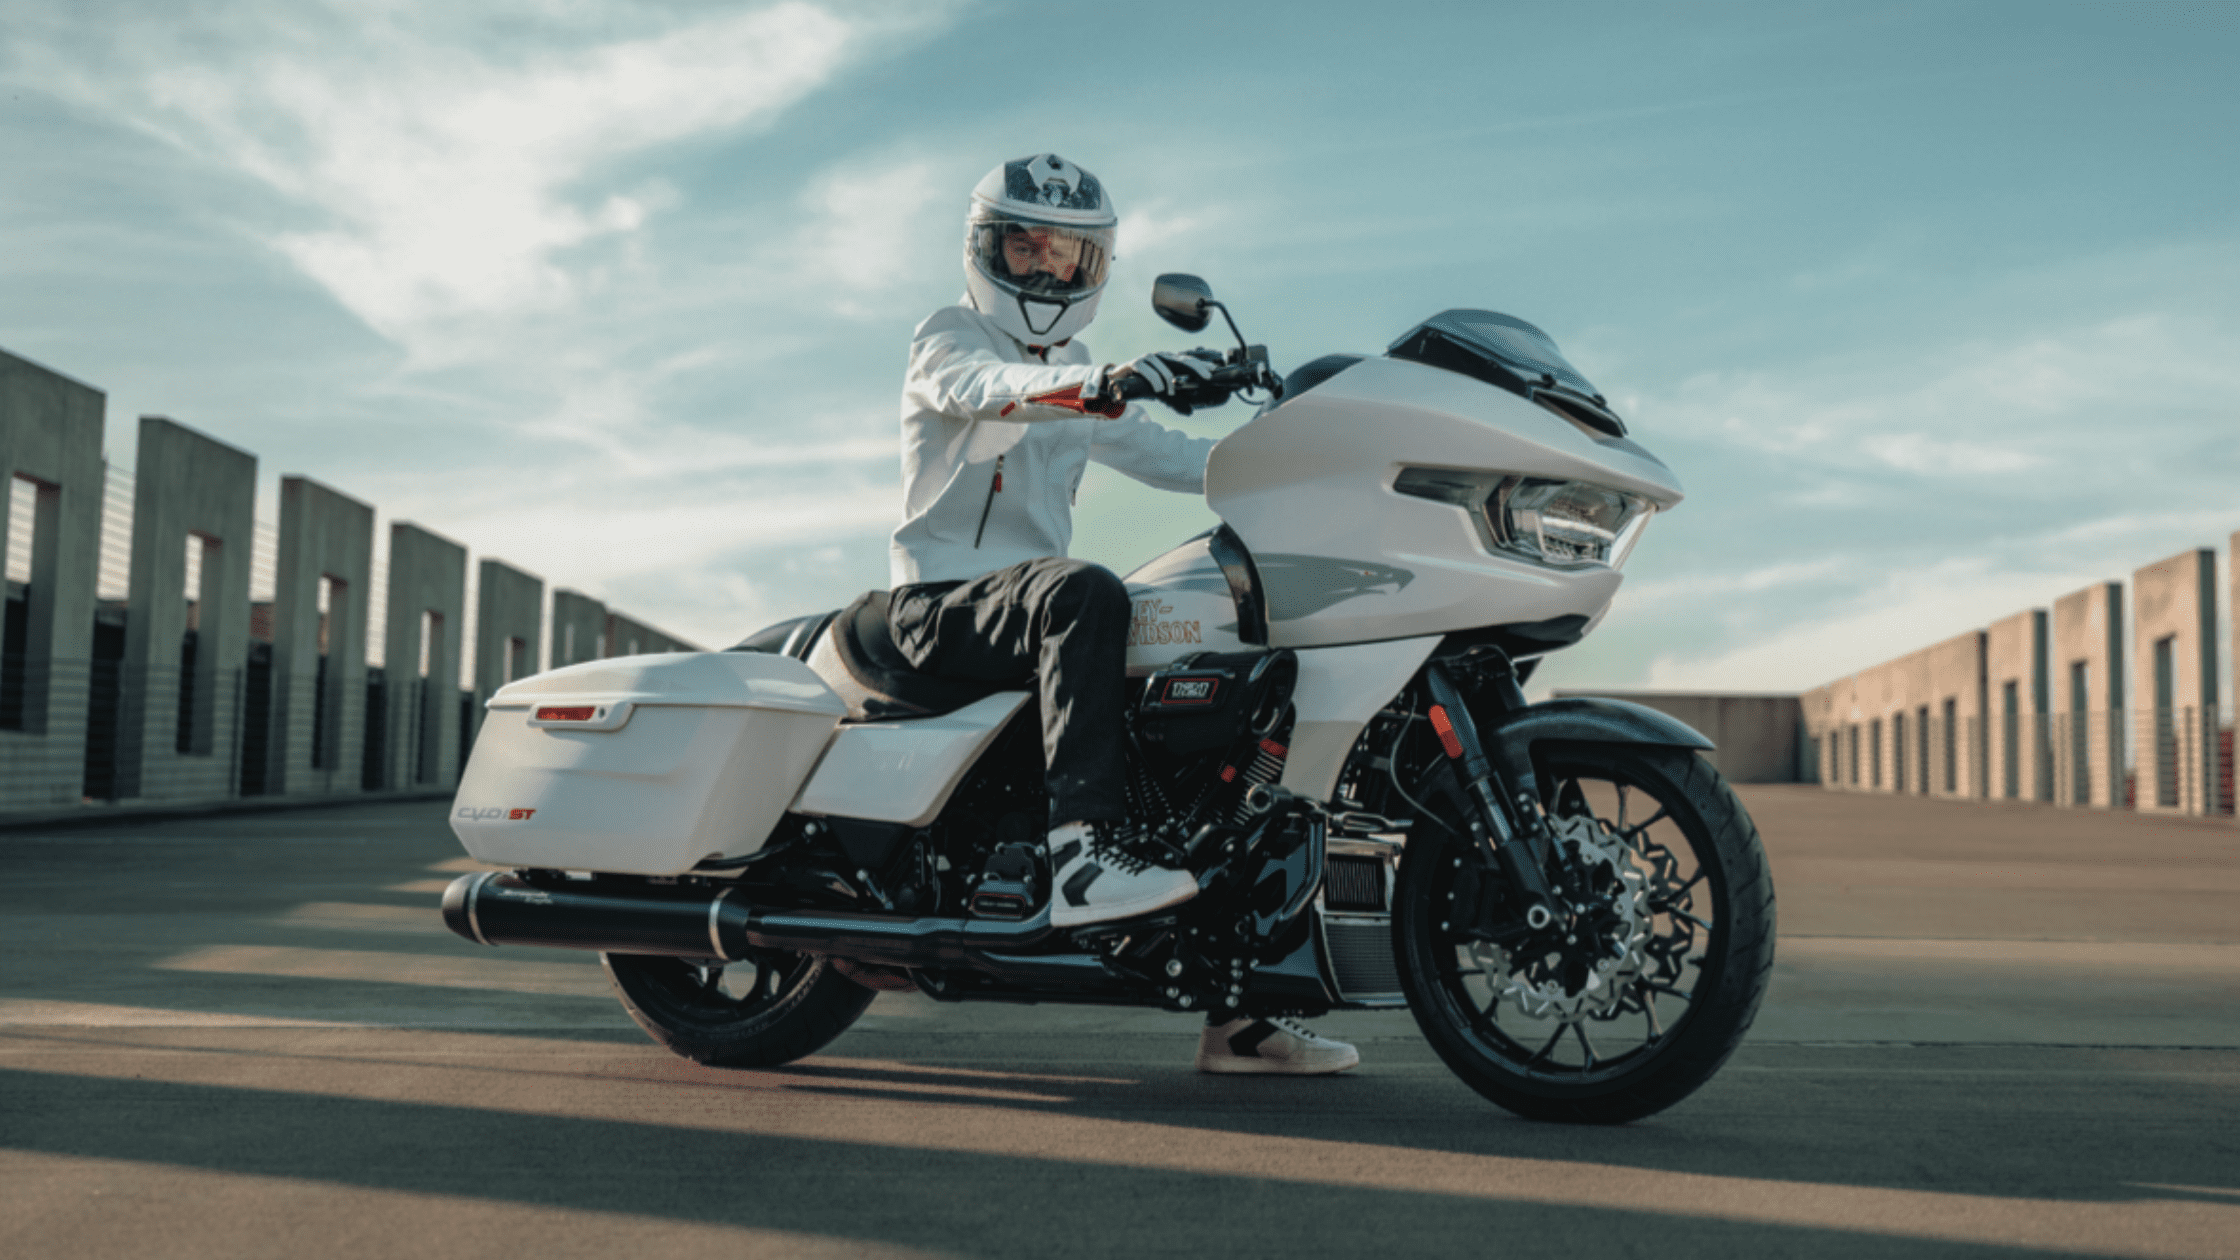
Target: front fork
[(1513, 832)]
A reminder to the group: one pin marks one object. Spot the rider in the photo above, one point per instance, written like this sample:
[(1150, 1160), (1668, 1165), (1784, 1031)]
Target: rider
[(1002, 410)]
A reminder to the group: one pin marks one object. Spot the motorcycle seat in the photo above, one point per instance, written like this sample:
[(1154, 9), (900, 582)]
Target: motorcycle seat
[(858, 659)]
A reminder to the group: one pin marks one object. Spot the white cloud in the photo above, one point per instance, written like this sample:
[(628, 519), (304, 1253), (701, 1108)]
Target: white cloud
[(445, 178), (2046, 401), (866, 232)]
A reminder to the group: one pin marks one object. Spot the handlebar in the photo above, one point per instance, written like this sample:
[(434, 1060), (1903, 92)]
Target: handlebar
[(1212, 391)]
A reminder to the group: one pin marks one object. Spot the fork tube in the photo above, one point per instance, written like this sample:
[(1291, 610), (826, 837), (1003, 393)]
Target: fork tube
[(1496, 832)]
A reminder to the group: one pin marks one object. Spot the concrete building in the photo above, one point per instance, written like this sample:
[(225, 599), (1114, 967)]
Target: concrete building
[(1760, 738), (50, 460), (134, 666), (319, 612), (2087, 683), (1953, 712), (579, 628), (182, 682), (2174, 642), (509, 626), (2019, 748), (426, 621)]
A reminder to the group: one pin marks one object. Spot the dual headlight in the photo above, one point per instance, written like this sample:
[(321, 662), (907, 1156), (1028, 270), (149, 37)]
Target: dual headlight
[(1564, 524)]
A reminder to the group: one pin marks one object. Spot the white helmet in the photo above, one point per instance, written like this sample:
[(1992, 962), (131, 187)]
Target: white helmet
[(1036, 248)]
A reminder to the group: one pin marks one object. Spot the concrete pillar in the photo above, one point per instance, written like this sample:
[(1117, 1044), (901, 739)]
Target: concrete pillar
[(1846, 732), (2086, 679), (319, 658), (509, 622), (579, 628), (1951, 704), (2174, 642), (1816, 718), (627, 636), (178, 725), (50, 445), (2019, 747), (426, 618)]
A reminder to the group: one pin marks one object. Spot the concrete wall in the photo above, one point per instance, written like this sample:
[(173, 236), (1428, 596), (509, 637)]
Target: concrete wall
[(50, 432), (1955, 710), (627, 637), (192, 490), (509, 621), (1883, 701), (319, 730), (427, 574), (2174, 672), (2018, 748), (579, 628), (1759, 737), (2088, 725)]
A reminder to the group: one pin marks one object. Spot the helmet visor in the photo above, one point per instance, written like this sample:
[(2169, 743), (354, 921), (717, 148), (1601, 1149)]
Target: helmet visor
[(1029, 258)]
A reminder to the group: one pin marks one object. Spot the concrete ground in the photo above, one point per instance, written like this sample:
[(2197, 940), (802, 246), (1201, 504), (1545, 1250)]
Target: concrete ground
[(1994, 1030)]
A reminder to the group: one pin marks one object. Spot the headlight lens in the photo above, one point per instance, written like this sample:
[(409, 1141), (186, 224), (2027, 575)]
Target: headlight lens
[(1563, 524)]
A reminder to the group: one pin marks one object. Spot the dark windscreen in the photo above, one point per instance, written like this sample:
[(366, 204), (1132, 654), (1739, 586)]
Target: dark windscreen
[(1506, 351)]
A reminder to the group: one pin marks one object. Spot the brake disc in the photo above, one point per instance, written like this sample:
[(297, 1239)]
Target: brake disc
[(1587, 967)]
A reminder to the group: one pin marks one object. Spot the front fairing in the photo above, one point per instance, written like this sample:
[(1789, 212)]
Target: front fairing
[(1346, 559)]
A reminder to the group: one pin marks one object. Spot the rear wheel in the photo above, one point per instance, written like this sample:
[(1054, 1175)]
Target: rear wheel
[(758, 1012), (1645, 984)]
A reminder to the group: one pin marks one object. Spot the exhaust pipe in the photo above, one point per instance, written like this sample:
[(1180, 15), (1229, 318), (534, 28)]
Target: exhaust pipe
[(502, 908)]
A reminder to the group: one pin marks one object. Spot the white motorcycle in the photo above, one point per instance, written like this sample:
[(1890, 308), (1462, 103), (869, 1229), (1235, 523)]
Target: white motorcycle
[(1327, 728)]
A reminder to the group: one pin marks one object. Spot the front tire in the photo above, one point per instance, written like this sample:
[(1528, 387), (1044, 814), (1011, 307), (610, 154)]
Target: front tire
[(759, 1012), (1635, 998)]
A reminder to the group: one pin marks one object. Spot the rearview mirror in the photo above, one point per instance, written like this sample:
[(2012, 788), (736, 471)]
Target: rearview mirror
[(1182, 300)]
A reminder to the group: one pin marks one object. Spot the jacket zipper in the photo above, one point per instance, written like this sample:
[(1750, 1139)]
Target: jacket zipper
[(995, 488)]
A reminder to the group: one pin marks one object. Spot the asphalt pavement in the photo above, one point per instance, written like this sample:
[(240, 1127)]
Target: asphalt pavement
[(1994, 1030)]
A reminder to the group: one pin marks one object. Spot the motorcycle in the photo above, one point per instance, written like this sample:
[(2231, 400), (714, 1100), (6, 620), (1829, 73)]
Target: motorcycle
[(1327, 727)]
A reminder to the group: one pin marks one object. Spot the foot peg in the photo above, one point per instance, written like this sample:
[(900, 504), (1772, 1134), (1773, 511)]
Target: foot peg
[(1009, 885)]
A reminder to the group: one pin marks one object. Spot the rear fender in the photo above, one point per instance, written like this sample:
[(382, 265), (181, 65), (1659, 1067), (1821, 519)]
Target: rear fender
[(1580, 719)]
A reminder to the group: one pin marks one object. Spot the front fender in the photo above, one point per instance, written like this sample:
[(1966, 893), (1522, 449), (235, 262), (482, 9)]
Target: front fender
[(1581, 719)]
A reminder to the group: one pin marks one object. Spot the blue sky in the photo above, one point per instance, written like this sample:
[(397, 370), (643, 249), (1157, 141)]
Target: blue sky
[(1933, 308)]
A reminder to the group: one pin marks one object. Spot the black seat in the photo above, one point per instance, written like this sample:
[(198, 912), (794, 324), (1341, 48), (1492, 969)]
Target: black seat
[(852, 651)]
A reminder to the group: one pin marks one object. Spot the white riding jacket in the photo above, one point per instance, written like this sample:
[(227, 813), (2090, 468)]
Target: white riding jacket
[(995, 441)]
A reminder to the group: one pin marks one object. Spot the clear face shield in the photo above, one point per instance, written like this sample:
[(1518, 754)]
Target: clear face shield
[(1040, 258)]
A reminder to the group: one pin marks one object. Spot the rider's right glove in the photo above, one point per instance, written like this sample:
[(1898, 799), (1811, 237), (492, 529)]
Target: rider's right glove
[(1174, 378)]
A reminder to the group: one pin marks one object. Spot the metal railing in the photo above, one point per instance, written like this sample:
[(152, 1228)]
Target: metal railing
[(2175, 761)]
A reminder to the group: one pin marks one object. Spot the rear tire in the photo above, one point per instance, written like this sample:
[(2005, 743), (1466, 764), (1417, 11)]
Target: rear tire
[(1676, 961), (758, 1012)]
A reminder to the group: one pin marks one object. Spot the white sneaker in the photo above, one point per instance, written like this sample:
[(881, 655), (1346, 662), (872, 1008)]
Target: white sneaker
[(1094, 882), (1275, 1046)]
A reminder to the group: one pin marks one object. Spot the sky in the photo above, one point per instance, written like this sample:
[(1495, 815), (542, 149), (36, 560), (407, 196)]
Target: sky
[(1932, 308)]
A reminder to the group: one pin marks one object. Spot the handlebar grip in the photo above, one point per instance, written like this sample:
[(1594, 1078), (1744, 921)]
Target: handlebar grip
[(1132, 387)]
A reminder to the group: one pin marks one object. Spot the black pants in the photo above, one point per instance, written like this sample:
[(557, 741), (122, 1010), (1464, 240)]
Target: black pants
[(1064, 620)]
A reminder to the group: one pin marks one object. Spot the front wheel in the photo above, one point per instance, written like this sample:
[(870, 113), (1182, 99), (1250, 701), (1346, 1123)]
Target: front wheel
[(759, 1012), (1645, 984)]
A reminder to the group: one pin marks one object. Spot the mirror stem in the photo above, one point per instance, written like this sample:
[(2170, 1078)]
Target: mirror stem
[(1206, 302)]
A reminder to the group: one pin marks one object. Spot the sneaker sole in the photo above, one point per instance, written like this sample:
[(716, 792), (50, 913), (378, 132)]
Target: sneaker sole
[(1271, 1067)]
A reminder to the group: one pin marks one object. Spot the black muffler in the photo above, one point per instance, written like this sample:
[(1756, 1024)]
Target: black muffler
[(693, 921)]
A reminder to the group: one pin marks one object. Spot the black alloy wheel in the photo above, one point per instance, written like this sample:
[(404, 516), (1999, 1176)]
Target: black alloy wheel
[(762, 1011), (1645, 984)]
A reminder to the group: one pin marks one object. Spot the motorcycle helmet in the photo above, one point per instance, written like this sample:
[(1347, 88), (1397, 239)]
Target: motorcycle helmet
[(1037, 244)]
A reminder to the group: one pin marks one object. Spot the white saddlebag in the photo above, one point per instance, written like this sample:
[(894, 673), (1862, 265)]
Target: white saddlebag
[(642, 764)]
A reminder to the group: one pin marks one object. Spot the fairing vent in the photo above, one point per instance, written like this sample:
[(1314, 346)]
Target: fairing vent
[(1353, 885)]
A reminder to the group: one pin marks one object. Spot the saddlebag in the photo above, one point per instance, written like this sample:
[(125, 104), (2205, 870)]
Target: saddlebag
[(643, 765)]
